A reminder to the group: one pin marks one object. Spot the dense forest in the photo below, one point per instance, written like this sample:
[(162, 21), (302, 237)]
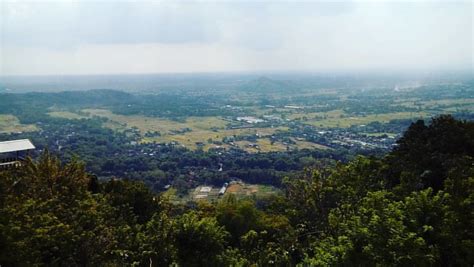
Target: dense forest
[(413, 206)]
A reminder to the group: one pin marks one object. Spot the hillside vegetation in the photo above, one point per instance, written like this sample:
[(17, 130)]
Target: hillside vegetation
[(414, 206)]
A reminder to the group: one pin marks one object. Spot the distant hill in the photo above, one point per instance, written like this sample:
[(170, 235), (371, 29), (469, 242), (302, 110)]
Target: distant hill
[(79, 98), (266, 85)]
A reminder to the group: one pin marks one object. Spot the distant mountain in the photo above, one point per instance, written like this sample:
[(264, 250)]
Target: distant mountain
[(267, 85)]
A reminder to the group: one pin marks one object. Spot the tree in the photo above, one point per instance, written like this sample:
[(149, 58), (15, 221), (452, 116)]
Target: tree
[(158, 241), (375, 234), (199, 241), (237, 216), (51, 218)]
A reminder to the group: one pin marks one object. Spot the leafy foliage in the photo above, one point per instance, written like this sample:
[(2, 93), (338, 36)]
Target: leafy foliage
[(412, 207)]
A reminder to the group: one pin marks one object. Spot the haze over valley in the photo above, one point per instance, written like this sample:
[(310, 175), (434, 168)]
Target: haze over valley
[(235, 133)]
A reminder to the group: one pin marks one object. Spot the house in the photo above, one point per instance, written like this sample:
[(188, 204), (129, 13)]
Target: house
[(14, 152)]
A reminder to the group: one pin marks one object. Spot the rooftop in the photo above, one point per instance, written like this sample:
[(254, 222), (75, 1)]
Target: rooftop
[(205, 189), (16, 145)]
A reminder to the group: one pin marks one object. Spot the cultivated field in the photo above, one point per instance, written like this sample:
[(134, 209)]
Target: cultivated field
[(239, 189), (201, 129), (345, 122), (66, 115), (201, 132), (242, 190), (11, 124)]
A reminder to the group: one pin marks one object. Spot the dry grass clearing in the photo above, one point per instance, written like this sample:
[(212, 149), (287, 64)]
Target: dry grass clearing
[(333, 114), (253, 131), (241, 190), (338, 119), (202, 130), (11, 124), (267, 146), (309, 145), (448, 105), (66, 115), (145, 124)]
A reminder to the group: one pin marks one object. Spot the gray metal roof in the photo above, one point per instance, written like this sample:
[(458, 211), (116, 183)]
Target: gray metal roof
[(16, 145)]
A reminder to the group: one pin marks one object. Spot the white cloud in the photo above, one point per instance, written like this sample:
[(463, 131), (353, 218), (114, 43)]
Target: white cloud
[(108, 37)]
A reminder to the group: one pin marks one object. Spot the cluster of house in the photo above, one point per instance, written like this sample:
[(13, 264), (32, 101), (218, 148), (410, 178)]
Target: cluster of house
[(348, 138), (249, 119)]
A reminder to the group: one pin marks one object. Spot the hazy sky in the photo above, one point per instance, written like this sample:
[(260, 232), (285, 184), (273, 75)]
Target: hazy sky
[(95, 37)]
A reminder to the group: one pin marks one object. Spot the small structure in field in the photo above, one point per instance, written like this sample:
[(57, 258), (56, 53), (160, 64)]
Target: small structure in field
[(201, 196), (249, 119), (205, 189), (14, 152), (202, 192), (223, 189)]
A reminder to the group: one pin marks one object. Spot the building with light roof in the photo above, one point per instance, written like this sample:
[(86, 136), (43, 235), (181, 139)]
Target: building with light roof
[(14, 152)]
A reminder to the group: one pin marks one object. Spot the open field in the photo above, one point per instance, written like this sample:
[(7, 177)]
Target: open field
[(448, 105), (66, 115), (337, 118), (206, 193), (266, 145), (189, 139), (242, 190), (362, 120), (200, 132), (201, 129), (239, 189), (310, 145), (333, 114), (11, 124), (145, 124), (194, 194)]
